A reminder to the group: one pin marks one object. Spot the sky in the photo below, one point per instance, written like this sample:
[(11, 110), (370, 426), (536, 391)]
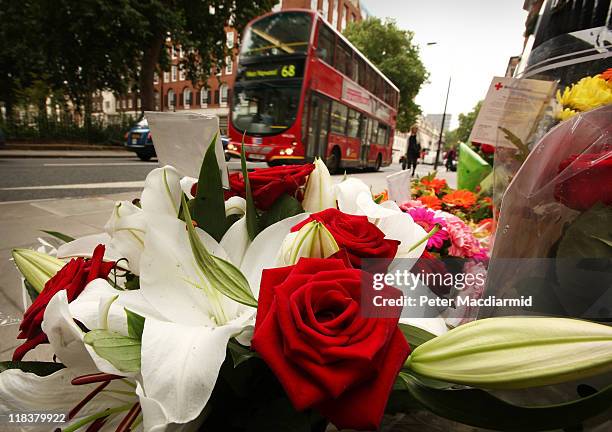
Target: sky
[(475, 39)]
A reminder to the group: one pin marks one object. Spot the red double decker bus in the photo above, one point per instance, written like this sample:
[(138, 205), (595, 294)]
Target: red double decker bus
[(302, 90)]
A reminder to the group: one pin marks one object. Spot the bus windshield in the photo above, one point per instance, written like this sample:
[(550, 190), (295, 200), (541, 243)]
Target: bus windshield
[(278, 34), (265, 108)]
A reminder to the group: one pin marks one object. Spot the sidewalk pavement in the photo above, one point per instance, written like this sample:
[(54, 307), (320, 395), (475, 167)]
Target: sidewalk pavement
[(28, 153)]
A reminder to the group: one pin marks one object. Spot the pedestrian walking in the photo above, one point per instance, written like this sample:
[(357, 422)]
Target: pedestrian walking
[(451, 155), (414, 149)]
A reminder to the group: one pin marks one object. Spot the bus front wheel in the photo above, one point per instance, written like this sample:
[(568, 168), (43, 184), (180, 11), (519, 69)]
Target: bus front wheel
[(333, 161)]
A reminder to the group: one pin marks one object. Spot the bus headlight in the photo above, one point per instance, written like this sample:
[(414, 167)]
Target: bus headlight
[(289, 151)]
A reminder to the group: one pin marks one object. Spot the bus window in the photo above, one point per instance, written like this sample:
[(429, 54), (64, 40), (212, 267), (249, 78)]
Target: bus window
[(265, 109), (343, 58), (326, 44), (362, 72), (374, 131), (338, 118), (278, 34), (352, 129), (383, 133)]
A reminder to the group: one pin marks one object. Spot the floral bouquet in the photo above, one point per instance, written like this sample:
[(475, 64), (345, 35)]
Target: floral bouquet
[(461, 242), (555, 221), (243, 311)]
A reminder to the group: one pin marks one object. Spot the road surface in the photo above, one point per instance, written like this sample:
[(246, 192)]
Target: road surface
[(35, 179)]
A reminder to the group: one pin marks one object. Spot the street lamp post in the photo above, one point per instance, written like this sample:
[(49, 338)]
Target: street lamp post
[(442, 126)]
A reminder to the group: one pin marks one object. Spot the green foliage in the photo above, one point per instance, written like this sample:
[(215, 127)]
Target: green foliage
[(38, 368), (415, 336), (69, 50), (284, 207), (392, 50), (135, 324), (123, 352), (65, 128), (208, 206), (478, 408), (222, 275), (61, 236)]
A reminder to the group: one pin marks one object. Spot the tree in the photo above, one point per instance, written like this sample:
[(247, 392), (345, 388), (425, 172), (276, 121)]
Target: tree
[(466, 123), (392, 50), (198, 27)]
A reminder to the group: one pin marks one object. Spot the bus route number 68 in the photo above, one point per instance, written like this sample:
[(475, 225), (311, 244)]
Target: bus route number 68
[(288, 71)]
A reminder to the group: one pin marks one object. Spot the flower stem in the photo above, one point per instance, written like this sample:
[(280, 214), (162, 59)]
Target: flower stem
[(427, 237), (76, 426)]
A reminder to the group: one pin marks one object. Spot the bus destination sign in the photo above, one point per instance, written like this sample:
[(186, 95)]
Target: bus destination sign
[(274, 71)]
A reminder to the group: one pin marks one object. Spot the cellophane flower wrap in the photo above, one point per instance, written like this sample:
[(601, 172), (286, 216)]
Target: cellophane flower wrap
[(553, 237)]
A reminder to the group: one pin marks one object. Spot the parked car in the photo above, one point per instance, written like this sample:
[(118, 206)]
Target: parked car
[(138, 139), (430, 157)]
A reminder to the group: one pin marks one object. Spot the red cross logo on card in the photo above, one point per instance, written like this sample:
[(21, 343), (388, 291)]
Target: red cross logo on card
[(498, 86)]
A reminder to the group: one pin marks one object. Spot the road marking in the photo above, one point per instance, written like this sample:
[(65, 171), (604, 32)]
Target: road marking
[(113, 185), (100, 164)]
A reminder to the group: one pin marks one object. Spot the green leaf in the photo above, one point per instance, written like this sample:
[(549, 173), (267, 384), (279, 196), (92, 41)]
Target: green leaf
[(605, 241), (35, 367), (123, 352), (518, 143), (583, 265), (209, 203), (239, 353), (283, 208), (222, 275), (63, 237), (132, 282), (414, 335), (589, 235), (135, 324), (32, 293), (252, 218), (481, 409)]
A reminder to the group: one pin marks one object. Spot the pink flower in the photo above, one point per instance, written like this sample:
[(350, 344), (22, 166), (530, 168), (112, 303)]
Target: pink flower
[(427, 219), (463, 242), (412, 204)]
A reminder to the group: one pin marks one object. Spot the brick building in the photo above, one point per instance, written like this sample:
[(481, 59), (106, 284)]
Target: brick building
[(174, 92)]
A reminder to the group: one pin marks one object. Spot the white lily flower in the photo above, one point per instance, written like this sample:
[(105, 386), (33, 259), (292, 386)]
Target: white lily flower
[(187, 320), (126, 228), (319, 194), (24, 392)]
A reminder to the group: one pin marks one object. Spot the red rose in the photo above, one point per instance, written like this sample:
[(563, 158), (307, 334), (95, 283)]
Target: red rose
[(73, 278), (487, 148), (268, 184), (357, 235), (311, 332), (589, 182), (429, 264)]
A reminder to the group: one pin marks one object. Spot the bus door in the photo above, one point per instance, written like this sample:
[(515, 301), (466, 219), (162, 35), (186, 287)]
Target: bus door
[(318, 127), (366, 124)]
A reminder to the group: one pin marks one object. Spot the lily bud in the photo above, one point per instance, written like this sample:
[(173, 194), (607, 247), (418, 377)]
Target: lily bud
[(516, 352), (313, 240), (319, 193), (36, 267)]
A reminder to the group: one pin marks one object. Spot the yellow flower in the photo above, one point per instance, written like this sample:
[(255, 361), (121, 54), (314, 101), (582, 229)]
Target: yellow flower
[(585, 95), (566, 114)]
